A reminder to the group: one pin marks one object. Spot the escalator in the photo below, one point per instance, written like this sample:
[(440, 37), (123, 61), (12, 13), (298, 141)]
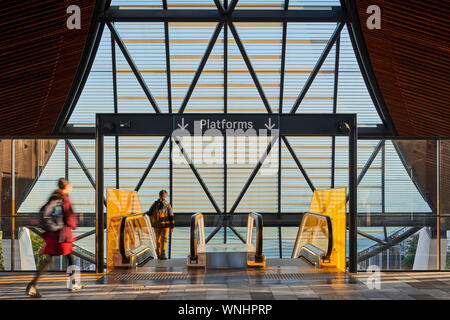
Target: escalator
[(313, 245), (136, 241), (314, 241), (247, 253)]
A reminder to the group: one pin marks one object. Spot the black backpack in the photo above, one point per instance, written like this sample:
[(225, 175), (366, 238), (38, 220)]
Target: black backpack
[(51, 216)]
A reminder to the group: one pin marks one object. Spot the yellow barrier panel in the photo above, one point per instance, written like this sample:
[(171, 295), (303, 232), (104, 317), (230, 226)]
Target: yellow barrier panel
[(119, 203), (332, 203)]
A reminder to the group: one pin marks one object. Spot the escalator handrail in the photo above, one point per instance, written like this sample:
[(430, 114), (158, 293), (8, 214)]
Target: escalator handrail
[(259, 234), (195, 218), (330, 232), (125, 258)]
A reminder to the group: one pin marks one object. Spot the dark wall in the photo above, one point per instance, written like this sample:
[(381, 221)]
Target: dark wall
[(31, 156)]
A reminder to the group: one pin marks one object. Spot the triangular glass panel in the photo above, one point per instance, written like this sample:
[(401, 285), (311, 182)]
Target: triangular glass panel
[(145, 45), (209, 90), (262, 43), (353, 96), (97, 94), (304, 46), (135, 154), (186, 54), (47, 181), (315, 155), (401, 193), (243, 95), (186, 184)]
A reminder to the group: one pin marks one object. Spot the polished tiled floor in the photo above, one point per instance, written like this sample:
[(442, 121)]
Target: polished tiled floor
[(285, 280)]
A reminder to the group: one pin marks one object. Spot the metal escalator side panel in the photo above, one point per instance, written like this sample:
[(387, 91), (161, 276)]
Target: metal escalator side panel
[(197, 239), (255, 221), (137, 240), (314, 240), (151, 234)]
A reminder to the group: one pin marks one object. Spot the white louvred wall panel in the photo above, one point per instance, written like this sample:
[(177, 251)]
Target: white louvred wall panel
[(146, 46)]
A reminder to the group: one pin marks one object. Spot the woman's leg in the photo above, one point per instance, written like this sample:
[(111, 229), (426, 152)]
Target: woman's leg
[(42, 269), (70, 261), (75, 280), (31, 289)]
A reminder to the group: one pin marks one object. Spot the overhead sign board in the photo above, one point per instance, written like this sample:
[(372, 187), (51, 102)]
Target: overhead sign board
[(205, 124), (225, 124)]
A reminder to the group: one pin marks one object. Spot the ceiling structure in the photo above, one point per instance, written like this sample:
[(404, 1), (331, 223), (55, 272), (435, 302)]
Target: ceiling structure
[(40, 60), (410, 58), (45, 65)]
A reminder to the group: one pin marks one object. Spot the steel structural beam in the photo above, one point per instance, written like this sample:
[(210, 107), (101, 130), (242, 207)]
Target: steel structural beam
[(317, 67), (284, 219), (151, 124), (299, 165), (353, 198), (114, 14), (364, 133), (80, 161), (254, 172), (214, 232), (232, 6), (362, 57), (392, 241), (169, 102), (369, 163), (250, 67), (370, 237), (202, 64), (133, 66), (152, 162), (335, 97), (99, 196), (219, 7), (370, 160), (197, 175), (225, 110), (237, 234), (280, 111), (84, 67), (168, 74), (116, 109), (83, 166)]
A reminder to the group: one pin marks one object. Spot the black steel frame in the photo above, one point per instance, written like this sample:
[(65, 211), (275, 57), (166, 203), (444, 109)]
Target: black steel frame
[(225, 16), (291, 219), (114, 14), (164, 124), (329, 229)]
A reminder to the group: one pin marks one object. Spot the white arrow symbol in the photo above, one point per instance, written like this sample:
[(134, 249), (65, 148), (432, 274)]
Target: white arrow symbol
[(269, 126), (183, 126)]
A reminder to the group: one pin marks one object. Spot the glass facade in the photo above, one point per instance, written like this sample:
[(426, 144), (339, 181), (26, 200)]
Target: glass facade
[(398, 218), (401, 199), (403, 204), (37, 165)]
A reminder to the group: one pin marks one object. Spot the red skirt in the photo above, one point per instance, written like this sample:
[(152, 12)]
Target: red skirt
[(53, 246)]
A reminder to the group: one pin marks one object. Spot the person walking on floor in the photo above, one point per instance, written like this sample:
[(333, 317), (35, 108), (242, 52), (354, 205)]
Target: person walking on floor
[(161, 215), (58, 220)]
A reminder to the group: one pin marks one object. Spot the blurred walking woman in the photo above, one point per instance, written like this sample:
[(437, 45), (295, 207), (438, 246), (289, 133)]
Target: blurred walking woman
[(58, 219)]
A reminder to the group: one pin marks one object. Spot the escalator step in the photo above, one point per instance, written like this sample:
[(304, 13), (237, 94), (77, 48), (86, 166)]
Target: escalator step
[(299, 276), (151, 276)]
